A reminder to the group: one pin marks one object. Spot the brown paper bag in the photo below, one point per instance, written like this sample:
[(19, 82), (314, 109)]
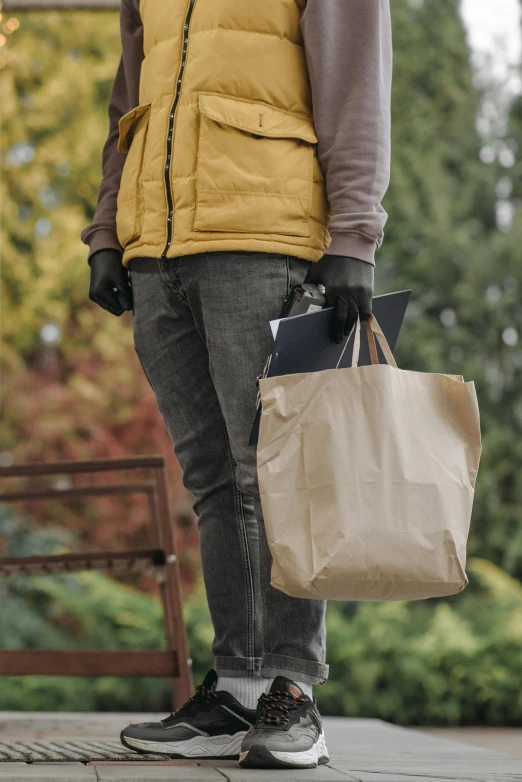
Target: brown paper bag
[(366, 477)]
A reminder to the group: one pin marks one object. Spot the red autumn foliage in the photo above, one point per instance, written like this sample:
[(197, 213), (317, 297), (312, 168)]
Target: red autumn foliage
[(67, 409)]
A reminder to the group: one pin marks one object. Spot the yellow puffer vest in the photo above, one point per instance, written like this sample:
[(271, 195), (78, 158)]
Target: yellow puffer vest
[(221, 151)]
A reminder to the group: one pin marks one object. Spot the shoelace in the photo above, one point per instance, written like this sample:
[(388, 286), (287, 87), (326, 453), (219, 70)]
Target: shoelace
[(280, 702), (202, 694)]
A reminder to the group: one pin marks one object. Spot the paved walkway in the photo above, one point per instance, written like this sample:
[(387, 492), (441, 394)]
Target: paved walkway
[(360, 751), (507, 740)]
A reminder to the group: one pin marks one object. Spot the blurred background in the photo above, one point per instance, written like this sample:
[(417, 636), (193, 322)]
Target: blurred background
[(72, 387)]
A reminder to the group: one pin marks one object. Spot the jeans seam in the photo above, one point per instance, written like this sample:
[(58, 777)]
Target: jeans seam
[(250, 629), (262, 590), (261, 527)]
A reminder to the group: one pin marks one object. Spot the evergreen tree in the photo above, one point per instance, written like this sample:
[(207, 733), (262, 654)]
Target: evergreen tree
[(442, 241)]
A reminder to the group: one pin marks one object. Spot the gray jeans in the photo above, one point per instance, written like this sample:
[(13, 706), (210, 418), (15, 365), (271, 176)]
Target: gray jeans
[(201, 333)]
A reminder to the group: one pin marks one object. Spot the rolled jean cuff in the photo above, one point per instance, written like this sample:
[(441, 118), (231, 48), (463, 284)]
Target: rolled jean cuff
[(295, 668), (238, 666)]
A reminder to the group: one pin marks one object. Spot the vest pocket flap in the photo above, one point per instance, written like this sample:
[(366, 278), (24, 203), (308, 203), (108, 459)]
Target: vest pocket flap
[(257, 118), (127, 126)]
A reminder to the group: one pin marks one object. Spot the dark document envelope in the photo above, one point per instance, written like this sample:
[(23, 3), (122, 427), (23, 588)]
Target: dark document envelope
[(303, 343)]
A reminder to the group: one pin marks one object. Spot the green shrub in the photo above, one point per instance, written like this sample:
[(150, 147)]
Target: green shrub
[(432, 662), (90, 611)]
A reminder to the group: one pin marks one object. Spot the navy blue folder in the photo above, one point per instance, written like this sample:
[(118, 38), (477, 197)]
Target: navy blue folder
[(303, 343)]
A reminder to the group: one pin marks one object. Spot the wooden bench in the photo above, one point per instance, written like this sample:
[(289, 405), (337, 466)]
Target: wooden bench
[(174, 662)]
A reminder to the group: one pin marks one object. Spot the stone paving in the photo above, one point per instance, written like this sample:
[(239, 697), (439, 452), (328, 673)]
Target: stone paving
[(360, 751)]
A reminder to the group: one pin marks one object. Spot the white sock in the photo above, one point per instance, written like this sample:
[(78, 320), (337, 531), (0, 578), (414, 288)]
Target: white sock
[(245, 689), (306, 688)]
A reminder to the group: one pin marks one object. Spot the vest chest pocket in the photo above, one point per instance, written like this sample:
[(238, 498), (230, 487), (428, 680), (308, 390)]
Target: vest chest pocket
[(132, 136), (254, 168)]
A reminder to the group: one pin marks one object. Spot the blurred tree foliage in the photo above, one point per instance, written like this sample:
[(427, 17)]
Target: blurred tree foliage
[(86, 394), (60, 67), (72, 386)]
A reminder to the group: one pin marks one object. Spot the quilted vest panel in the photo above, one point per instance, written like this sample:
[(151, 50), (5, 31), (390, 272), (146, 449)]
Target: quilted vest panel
[(221, 152)]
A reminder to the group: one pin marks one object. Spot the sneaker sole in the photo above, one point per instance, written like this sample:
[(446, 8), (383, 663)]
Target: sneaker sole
[(224, 747), (259, 756)]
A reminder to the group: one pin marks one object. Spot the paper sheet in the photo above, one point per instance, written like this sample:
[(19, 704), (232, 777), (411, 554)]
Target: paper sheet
[(274, 325)]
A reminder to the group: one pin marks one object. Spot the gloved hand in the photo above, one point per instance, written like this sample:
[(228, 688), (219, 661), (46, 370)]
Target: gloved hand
[(109, 286), (349, 288)]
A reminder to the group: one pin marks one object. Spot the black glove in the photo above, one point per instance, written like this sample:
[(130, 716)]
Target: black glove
[(109, 286), (349, 288)]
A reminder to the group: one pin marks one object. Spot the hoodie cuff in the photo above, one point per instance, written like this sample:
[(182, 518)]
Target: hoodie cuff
[(104, 239), (352, 245)]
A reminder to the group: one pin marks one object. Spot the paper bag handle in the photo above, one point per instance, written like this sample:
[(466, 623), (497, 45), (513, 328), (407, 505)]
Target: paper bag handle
[(373, 330)]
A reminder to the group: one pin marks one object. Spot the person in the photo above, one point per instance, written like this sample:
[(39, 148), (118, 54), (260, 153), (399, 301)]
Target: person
[(248, 151)]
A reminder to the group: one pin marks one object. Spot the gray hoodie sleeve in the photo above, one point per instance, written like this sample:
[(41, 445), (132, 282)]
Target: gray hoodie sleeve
[(348, 46), (101, 233)]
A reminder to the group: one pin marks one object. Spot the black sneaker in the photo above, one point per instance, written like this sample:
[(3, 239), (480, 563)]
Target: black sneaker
[(209, 725), (288, 732)]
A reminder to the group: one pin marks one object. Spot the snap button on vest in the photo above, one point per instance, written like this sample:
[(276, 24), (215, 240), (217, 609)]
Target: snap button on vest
[(217, 76)]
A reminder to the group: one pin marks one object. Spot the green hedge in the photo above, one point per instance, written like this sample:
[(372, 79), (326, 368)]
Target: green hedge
[(442, 662), (446, 662), (455, 661)]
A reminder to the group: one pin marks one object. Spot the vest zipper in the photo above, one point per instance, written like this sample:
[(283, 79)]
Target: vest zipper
[(171, 126)]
